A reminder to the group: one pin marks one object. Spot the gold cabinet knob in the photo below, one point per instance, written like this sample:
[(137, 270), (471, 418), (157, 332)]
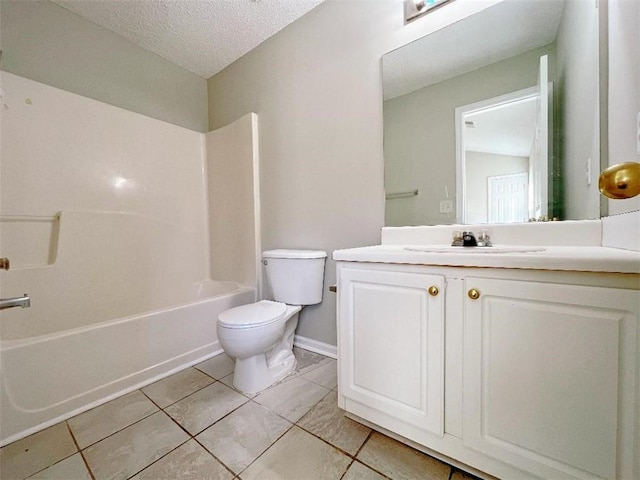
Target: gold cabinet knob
[(4, 263), (474, 294), (433, 290)]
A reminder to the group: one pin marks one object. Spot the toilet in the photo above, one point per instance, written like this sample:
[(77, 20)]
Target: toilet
[(259, 336)]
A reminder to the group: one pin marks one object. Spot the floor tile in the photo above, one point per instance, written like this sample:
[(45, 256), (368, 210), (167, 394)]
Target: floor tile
[(36, 452), (134, 448), (238, 439), (307, 361), (196, 412), (71, 468), (358, 471), (130, 436), (177, 386), (328, 422), (100, 422), (325, 375), (188, 462), (228, 381), (217, 367), (398, 461), (298, 455), (292, 398)]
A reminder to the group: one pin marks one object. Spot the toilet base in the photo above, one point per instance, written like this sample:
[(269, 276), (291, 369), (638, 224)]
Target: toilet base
[(254, 374)]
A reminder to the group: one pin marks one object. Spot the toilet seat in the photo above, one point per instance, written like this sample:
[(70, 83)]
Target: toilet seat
[(257, 314)]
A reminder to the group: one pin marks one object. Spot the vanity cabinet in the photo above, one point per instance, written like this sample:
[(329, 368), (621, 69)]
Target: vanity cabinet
[(392, 354), (544, 372), (540, 368)]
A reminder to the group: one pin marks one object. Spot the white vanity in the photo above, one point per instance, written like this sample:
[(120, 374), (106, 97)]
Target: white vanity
[(516, 364)]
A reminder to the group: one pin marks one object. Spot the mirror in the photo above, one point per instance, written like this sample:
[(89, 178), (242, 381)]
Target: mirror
[(505, 100)]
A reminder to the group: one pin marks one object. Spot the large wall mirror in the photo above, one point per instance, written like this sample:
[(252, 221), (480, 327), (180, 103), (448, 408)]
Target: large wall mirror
[(496, 118)]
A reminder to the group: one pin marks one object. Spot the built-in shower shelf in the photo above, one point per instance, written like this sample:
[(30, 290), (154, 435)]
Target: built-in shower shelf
[(29, 240)]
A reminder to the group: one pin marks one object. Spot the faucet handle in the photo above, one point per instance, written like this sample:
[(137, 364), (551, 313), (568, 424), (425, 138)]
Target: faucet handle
[(484, 240), (469, 239), (457, 239)]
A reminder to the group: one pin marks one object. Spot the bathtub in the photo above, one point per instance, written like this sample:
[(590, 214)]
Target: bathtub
[(50, 378)]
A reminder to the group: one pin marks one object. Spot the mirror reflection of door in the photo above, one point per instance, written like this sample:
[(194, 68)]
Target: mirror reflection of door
[(507, 198), (505, 137)]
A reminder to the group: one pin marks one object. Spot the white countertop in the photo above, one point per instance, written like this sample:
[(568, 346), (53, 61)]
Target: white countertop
[(571, 258)]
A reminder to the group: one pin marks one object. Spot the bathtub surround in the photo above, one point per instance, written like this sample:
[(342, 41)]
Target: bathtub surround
[(127, 197), (105, 217), (132, 195), (233, 191)]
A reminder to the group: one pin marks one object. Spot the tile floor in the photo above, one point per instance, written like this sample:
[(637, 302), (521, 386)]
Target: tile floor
[(194, 425)]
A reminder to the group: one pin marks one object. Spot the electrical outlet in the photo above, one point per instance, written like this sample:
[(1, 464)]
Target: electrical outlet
[(446, 206)]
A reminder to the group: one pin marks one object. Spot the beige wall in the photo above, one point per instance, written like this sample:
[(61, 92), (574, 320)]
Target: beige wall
[(47, 43), (317, 89), (420, 149), (577, 88), (624, 89)]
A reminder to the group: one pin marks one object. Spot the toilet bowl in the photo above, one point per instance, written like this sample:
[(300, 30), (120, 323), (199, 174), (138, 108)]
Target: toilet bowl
[(259, 336)]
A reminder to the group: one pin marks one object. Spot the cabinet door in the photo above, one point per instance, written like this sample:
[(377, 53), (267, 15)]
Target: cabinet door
[(549, 377), (391, 346)]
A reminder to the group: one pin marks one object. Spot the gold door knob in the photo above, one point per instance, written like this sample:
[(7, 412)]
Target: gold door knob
[(474, 294), (4, 263), (433, 290), (620, 181)]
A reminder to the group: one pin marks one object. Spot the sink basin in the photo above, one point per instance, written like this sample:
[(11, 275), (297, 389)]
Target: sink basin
[(485, 250)]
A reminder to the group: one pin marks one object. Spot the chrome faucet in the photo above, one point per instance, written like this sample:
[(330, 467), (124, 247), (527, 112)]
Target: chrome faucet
[(484, 240), (23, 302), (469, 239)]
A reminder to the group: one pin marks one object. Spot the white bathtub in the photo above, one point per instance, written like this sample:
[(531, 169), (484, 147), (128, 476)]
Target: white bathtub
[(53, 377)]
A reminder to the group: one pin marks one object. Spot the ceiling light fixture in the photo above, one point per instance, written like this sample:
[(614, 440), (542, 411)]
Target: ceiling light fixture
[(414, 9)]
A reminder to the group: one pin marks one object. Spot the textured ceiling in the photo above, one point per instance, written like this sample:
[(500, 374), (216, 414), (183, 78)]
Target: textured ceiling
[(507, 130), (202, 36), (495, 34)]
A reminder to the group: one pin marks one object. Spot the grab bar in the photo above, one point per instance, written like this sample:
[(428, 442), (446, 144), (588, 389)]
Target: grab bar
[(23, 302)]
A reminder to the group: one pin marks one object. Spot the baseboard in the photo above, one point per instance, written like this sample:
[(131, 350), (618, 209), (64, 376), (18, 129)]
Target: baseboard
[(315, 346)]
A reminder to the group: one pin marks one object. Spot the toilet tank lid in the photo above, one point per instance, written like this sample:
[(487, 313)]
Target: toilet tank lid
[(285, 253)]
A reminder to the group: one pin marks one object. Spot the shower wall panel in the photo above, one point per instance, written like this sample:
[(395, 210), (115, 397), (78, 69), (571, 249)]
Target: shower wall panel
[(99, 207)]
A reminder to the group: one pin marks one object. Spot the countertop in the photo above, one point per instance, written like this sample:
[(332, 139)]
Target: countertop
[(570, 258)]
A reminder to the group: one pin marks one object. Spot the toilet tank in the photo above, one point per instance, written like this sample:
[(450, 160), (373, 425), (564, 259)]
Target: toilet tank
[(295, 276)]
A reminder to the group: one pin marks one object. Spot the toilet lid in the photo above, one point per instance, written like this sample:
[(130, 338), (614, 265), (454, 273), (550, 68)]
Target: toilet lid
[(253, 314)]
